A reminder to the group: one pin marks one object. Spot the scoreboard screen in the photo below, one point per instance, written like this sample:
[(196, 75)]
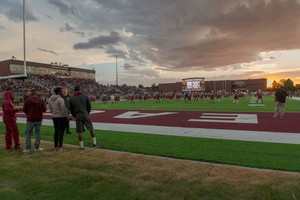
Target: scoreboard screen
[(193, 86)]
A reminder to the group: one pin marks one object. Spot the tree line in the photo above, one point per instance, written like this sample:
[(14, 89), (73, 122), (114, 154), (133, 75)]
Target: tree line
[(288, 85)]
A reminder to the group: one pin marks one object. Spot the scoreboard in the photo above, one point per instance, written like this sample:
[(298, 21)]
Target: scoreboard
[(198, 85)]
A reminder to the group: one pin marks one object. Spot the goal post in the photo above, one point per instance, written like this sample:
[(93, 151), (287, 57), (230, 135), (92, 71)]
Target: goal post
[(13, 76)]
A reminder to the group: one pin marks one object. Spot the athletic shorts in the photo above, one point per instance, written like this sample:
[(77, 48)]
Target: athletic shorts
[(80, 124)]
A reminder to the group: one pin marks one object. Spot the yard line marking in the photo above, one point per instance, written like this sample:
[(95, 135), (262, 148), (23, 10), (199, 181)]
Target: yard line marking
[(253, 102), (239, 118), (255, 136)]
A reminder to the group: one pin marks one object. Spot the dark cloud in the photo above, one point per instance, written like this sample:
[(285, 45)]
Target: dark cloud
[(49, 17), (2, 27), (65, 8), (180, 35), (145, 81), (135, 56), (67, 28), (13, 10), (128, 66), (112, 52), (142, 73), (45, 50), (99, 42), (272, 58)]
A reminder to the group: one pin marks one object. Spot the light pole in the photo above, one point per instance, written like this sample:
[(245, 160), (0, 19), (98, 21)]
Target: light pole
[(214, 82), (116, 70), (24, 37)]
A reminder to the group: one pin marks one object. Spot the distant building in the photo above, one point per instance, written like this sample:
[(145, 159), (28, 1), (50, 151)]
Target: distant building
[(15, 67), (247, 85)]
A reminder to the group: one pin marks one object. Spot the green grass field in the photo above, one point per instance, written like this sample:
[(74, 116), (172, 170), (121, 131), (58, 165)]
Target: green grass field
[(205, 105), (241, 153)]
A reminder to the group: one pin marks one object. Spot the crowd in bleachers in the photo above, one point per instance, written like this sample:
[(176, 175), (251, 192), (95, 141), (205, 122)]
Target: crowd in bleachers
[(46, 84)]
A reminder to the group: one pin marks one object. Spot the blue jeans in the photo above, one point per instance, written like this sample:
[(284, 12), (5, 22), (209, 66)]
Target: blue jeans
[(29, 128)]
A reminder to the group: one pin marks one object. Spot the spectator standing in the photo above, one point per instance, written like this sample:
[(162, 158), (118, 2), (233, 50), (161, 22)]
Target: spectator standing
[(67, 98), (80, 108), (59, 116), (26, 95), (280, 96), (34, 107), (10, 121)]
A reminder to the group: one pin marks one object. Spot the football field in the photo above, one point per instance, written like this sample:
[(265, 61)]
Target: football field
[(163, 151), (243, 134)]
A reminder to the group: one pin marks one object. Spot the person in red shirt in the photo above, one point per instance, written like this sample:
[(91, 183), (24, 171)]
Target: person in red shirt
[(236, 97), (195, 96), (201, 96), (132, 98), (189, 97), (206, 95), (212, 96), (219, 96), (259, 96), (145, 98), (104, 99), (156, 97), (128, 98), (34, 107), (10, 121), (171, 97)]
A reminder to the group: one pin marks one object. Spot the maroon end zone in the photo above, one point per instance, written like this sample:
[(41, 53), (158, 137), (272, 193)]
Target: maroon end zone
[(265, 120), (261, 121)]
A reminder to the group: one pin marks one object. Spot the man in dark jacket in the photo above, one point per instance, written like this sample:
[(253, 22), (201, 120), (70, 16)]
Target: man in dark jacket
[(10, 121), (34, 107), (67, 98), (280, 96), (80, 108)]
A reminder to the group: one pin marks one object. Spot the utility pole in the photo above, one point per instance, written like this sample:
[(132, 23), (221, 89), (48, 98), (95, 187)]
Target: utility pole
[(225, 82), (24, 37), (214, 82), (117, 70)]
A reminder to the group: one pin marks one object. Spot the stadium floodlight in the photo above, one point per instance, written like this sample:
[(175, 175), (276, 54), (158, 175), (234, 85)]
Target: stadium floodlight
[(25, 74)]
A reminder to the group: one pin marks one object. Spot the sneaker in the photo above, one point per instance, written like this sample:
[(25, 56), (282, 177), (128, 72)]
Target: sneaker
[(36, 150), (281, 117), (68, 132), (60, 149), (81, 148), (17, 149), (26, 150), (96, 145), (274, 116)]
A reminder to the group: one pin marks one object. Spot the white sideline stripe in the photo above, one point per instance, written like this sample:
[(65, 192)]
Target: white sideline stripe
[(295, 98), (256, 136)]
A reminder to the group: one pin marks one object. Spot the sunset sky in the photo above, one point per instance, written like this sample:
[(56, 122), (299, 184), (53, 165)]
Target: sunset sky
[(158, 41)]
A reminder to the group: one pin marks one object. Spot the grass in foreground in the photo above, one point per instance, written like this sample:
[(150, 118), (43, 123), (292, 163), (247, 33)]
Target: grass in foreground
[(100, 174), (242, 153), (224, 105)]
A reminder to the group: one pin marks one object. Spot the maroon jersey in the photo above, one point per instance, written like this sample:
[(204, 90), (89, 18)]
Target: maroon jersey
[(236, 95), (259, 95)]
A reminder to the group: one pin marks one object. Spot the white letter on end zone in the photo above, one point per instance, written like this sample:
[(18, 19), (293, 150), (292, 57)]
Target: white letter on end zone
[(227, 118), (137, 114)]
